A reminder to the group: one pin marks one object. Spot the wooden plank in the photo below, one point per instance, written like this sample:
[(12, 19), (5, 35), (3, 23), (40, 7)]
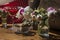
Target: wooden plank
[(11, 24), (53, 34), (7, 25)]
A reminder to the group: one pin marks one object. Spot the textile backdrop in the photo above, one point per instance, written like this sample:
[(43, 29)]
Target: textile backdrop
[(12, 5)]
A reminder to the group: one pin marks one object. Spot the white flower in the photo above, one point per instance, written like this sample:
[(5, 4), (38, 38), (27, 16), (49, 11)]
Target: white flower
[(27, 9), (39, 16)]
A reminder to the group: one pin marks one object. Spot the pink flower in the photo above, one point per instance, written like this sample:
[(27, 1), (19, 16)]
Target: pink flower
[(50, 8), (21, 11)]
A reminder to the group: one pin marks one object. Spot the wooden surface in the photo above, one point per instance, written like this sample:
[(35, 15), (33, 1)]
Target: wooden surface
[(6, 34)]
